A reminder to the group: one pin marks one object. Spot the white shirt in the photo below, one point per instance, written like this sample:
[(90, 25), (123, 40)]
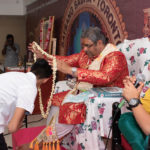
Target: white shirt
[(16, 90)]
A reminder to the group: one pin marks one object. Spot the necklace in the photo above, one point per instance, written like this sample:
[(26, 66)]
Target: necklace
[(45, 114)]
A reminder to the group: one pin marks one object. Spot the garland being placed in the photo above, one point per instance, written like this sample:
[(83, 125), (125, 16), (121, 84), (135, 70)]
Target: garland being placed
[(35, 46)]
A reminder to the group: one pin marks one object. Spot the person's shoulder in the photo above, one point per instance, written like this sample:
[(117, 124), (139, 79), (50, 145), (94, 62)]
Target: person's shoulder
[(11, 73), (117, 56), (116, 53)]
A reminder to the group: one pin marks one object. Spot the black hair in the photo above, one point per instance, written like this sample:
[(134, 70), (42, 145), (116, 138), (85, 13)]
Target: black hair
[(9, 36), (94, 34), (41, 69)]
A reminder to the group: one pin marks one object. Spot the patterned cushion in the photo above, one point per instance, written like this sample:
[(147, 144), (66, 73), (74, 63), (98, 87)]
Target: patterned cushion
[(138, 57)]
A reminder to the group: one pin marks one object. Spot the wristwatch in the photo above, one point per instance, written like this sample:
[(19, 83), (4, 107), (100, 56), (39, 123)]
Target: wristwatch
[(134, 102), (74, 70)]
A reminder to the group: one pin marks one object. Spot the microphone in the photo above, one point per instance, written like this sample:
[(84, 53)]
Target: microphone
[(139, 78)]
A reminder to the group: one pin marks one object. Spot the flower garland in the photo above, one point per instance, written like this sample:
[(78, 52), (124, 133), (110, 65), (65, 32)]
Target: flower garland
[(45, 114)]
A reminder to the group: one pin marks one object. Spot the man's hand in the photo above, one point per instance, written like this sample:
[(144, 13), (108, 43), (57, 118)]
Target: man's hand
[(129, 90), (35, 51), (62, 66)]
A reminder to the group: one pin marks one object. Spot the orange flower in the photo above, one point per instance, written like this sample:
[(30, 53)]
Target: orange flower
[(49, 131)]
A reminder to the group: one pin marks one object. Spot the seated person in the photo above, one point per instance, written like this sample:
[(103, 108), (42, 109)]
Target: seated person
[(99, 64), (135, 125)]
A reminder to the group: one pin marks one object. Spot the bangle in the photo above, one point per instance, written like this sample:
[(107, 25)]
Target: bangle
[(74, 70)]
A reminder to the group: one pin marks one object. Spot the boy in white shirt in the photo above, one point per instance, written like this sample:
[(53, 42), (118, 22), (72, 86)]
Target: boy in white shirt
[(17, 95)]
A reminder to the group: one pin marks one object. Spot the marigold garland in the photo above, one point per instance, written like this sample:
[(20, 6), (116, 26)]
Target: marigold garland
[(45, 114)]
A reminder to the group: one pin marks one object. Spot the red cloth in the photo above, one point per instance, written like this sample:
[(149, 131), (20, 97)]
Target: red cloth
[(76, 111), (46, 91), (112, 71), (25, 136), (125, 144)]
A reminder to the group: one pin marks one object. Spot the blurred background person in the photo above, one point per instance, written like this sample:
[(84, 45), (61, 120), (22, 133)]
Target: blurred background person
[(10, 51)]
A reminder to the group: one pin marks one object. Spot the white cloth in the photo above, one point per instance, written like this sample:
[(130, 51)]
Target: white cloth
[(16, 90), (62, 86), (61, 129), (88, 135), (11, 57)]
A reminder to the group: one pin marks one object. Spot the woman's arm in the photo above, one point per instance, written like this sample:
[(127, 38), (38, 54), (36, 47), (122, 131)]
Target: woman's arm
[(142, 117)]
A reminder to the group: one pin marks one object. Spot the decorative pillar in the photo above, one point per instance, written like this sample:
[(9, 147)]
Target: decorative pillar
[(146, 28)]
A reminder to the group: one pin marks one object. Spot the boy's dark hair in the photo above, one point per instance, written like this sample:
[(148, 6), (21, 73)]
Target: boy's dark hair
[(41, 69)]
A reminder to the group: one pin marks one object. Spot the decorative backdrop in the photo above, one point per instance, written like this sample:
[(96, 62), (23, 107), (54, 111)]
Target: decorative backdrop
[(79, 15)]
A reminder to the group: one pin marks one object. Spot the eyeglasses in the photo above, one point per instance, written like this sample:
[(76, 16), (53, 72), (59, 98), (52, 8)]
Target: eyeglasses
[(87, 45)]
